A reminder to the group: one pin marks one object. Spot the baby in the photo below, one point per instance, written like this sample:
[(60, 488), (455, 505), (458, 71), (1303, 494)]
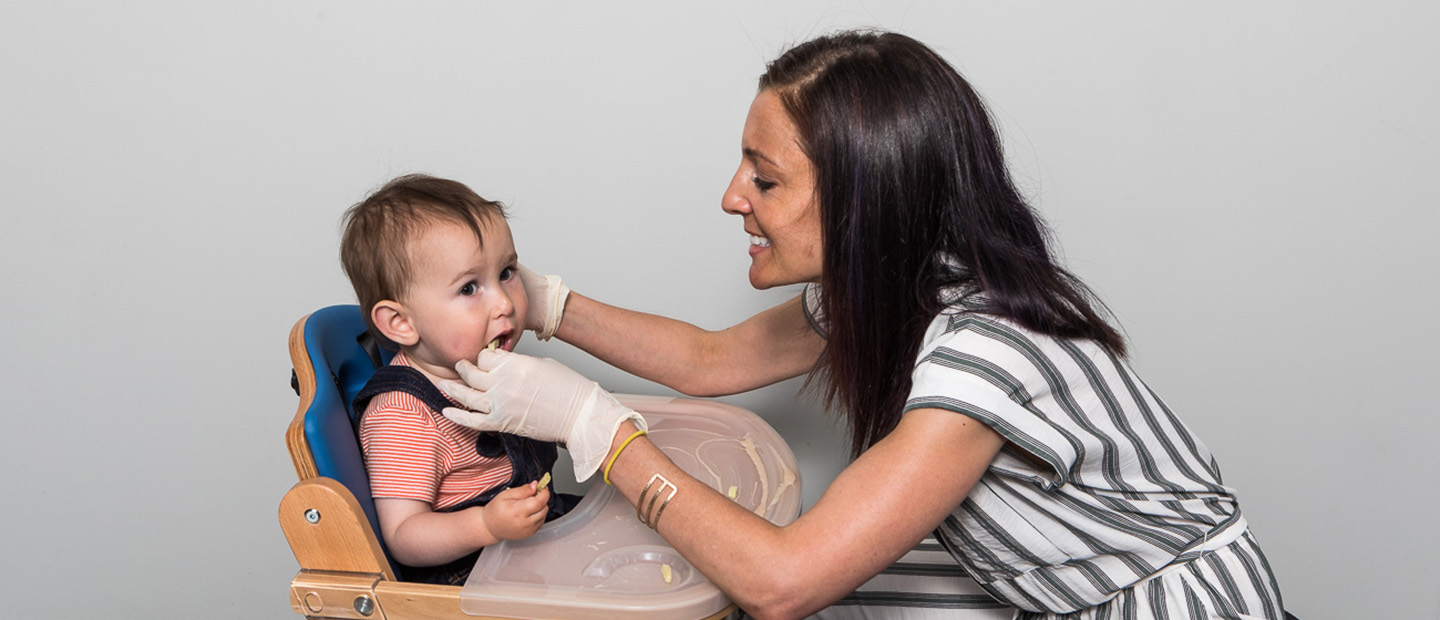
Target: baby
[(435, 270)]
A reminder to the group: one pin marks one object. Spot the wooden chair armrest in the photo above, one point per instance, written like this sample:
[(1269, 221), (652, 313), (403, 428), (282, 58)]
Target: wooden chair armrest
[(328, 531)]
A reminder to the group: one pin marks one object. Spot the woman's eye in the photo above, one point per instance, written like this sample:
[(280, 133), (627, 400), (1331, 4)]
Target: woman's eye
[(469, 289), (762, 184)]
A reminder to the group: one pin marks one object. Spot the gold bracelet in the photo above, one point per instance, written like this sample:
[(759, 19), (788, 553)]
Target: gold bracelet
[(640, 501), (643, 510), (655, 524), (617, 453)]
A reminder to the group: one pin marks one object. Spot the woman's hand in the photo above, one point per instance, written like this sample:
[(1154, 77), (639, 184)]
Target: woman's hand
[(547, 302), (542, 399), (517, 513)]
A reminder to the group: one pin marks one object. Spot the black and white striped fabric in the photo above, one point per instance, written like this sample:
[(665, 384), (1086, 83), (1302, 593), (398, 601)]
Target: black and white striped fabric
[(925, 584), (1101, 505)]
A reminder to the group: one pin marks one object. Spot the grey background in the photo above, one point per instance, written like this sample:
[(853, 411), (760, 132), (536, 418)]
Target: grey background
[(1249, 185)]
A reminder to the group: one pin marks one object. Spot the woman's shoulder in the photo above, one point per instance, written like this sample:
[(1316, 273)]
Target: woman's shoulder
[(965, 308), (965, 327)]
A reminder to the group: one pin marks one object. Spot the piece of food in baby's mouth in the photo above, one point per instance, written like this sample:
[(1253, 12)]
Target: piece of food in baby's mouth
[(493, 344)]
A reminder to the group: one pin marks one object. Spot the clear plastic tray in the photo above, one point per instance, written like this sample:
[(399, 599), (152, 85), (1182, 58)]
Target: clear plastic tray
[(600, 562)]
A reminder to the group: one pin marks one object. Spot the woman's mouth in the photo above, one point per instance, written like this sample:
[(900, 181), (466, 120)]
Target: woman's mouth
[(758, 241)]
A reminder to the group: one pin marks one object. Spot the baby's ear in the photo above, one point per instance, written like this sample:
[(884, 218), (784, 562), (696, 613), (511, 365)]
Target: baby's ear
[(393, 321)]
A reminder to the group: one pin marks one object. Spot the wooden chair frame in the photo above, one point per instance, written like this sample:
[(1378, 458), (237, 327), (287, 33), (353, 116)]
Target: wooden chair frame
[(344, 572)]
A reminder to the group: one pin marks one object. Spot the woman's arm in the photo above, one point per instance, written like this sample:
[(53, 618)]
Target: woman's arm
[(772, 346), (879, 507)]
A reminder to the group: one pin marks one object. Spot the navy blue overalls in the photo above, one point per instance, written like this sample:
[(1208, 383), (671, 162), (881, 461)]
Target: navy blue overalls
[(530, 459)]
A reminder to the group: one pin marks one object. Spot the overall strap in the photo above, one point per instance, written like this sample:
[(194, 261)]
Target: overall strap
[(399, 379)]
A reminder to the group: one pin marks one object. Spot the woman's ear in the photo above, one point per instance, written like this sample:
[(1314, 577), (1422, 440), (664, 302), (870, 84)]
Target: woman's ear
[(393, 321)]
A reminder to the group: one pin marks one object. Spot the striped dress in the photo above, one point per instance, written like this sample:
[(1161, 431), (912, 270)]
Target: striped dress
[(1102, 504)]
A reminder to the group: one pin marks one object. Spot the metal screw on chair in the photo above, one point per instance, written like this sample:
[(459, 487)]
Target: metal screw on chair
[(312, 515), (364, 605)]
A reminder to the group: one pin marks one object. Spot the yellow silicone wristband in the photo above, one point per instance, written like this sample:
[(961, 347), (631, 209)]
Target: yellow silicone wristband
[(618, 451)]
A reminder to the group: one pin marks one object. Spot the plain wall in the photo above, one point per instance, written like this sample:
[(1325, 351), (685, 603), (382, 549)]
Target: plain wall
[(1249, 185)]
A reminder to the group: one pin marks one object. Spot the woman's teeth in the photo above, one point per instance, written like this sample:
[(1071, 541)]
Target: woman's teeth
[(760, 241)]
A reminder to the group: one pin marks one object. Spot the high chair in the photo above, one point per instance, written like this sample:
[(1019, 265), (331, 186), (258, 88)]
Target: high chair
[(329, 516)]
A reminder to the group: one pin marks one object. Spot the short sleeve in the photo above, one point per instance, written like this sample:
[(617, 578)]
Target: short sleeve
[(972, 373), (402, 451)]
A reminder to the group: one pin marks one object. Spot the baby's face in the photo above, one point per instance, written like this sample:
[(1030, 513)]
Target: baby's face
[(463, 296)]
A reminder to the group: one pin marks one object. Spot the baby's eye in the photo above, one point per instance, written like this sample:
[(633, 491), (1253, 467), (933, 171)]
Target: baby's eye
[(507, 273), (762, 184), (468, 289)]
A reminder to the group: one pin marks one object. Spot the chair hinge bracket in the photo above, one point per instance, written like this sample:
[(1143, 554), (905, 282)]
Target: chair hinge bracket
[(328, 594)]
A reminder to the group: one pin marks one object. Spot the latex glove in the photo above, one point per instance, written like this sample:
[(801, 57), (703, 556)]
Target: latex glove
[(542, 399), (547, 302)]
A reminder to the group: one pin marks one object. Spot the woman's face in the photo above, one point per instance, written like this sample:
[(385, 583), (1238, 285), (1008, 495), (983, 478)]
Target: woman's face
[(774, 193)]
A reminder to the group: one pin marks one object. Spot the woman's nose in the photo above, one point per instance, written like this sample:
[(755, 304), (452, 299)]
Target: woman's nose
[(734, 201)]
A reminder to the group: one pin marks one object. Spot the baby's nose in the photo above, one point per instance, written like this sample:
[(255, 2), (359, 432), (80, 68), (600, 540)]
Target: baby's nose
[(502, 304)]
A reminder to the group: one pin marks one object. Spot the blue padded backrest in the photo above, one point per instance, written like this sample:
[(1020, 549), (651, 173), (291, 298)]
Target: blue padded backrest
[(342, 366)]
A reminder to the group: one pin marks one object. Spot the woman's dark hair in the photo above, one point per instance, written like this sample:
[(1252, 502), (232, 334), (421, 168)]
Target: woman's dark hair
[(915, 201)]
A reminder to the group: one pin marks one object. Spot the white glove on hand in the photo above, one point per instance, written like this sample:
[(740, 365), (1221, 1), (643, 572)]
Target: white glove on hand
[(542, 399), (547, 302)]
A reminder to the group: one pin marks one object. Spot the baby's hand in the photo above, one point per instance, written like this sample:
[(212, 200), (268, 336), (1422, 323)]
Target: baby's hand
[(517, 513)]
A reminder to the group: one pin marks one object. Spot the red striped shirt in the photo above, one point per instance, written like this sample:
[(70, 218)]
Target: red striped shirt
[(415, 453)]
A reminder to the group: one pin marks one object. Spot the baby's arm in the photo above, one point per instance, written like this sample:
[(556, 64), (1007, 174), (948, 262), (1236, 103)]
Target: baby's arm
[(419, 536)]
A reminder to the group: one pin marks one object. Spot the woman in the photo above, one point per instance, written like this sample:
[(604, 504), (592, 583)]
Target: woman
[(987, 396)]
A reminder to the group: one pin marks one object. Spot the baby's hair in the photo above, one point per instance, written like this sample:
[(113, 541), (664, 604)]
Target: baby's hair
[(374, 249)]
